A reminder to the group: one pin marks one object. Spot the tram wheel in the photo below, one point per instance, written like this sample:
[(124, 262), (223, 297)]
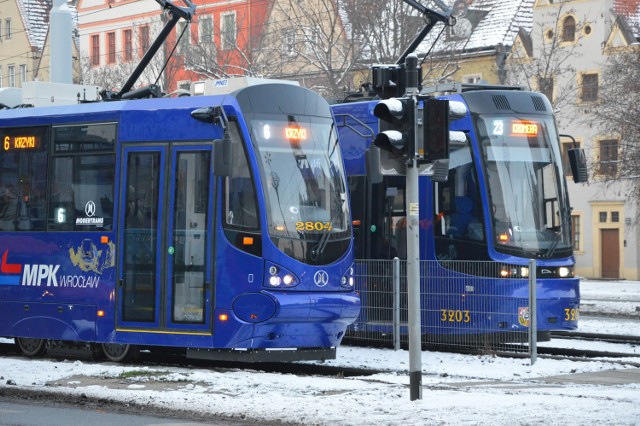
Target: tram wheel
[(31, 347), (119, 353)]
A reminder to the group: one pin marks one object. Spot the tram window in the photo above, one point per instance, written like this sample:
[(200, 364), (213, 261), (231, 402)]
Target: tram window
[(458, 219), (239, 195), (81, 178), (23, 171), (190, 236)]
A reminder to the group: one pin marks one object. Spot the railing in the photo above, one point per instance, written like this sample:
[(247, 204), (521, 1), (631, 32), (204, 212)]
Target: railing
[(465, 305)]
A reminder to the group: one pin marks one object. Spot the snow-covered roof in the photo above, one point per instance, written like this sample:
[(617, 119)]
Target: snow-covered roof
[(484, 24), (630, 10), (35, 16)]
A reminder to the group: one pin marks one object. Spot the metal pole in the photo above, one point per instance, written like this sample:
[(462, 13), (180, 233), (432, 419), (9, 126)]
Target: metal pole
[(413, 283), (533, 317), (396, 303), (413, 246)]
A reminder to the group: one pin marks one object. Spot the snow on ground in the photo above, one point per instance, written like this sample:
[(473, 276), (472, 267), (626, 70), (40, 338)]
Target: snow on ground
[(458, 389), (613, 297)]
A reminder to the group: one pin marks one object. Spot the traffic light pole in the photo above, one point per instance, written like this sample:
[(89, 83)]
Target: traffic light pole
[(413, 282), (413, 247)]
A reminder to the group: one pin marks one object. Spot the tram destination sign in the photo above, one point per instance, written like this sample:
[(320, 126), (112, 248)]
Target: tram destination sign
[(19, 143)]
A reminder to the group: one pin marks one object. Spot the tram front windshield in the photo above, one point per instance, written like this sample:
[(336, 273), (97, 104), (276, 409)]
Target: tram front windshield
[(525, 185), (304, 185)]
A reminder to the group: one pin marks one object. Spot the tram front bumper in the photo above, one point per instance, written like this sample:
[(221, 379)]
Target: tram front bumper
[(293, 320)]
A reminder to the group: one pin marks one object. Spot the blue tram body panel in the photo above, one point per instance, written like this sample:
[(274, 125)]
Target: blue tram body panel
[(557, 297), (62, 278), (181, 272)]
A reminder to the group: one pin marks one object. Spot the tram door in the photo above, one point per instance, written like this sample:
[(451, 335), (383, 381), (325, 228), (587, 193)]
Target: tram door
[(165, 238)]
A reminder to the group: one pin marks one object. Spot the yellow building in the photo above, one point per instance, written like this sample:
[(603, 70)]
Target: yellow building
[(23, 29)]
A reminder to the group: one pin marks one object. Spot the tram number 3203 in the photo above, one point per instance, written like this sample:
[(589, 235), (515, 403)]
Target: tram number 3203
[(455, 315)]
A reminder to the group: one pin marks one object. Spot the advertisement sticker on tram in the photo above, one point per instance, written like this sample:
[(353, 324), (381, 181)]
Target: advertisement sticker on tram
[(84, 258)]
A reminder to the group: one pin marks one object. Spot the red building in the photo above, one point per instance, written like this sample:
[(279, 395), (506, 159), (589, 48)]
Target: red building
[(219, 42)]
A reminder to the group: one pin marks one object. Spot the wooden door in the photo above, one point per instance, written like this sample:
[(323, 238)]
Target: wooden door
[(610, 252)]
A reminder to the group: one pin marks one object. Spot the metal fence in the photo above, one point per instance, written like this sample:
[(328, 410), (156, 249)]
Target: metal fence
[(465, 305)]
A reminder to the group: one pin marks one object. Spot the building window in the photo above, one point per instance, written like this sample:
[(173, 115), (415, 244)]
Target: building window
[(575, 231), (608, 157), (569, 29), (95, 50), (0, 31), (205, 29), (289, 41), (603, 217), (228, 30), (23, 74), (184, 35), (472, 78), (545, 86), (7, 28), (111, 48), (615, 217), (589, 87), (11, 70), (565, 156), (144, 39), (311, 39), (128, 45), (1, 82)]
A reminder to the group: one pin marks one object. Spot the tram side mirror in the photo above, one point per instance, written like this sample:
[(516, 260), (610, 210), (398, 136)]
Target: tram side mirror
[(578, 163), (222, 156), (372, 158)]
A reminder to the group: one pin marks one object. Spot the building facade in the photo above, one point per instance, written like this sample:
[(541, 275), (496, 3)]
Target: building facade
[(217, 43), (572, 41), (23, 29)]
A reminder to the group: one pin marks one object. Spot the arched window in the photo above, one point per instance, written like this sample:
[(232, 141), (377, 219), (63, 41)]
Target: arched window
[(569, 29)]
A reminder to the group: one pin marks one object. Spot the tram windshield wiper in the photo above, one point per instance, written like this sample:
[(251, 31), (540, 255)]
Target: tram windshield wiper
[(319, 248), (554, 245)]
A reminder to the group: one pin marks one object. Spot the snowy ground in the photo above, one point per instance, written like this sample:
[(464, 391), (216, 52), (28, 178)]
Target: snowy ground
[(458, 389)]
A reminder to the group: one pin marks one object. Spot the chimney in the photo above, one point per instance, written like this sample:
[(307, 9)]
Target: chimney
[(60, 31)]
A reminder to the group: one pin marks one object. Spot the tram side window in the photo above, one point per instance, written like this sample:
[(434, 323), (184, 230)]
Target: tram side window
[(23, 173), (239, 196), (458, 220), (82, 176)]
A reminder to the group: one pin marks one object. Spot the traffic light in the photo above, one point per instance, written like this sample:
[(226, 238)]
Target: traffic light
[(436, 129), (435, 137), (397, 126)]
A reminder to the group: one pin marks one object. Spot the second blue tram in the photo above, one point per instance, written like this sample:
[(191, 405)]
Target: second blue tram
[(504, 201), (219, 224)]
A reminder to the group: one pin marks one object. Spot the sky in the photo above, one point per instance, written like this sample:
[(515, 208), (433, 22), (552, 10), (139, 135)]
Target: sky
[(457, 389)]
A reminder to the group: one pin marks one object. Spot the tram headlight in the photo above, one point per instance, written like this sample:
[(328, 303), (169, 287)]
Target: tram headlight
[(348, 280), (278, 277), (564, 272), (514, 271)]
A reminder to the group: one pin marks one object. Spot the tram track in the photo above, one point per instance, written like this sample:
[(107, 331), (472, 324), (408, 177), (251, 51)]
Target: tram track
[(173, 359), (598, 337), (622, 345), (163, 359)]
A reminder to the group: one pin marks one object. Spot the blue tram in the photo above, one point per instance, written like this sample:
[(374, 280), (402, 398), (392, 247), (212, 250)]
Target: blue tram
[(502, 202), (219, 224)]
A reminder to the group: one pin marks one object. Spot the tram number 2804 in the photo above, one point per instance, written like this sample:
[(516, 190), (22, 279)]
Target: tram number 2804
[(455, 315), (314, 226)]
